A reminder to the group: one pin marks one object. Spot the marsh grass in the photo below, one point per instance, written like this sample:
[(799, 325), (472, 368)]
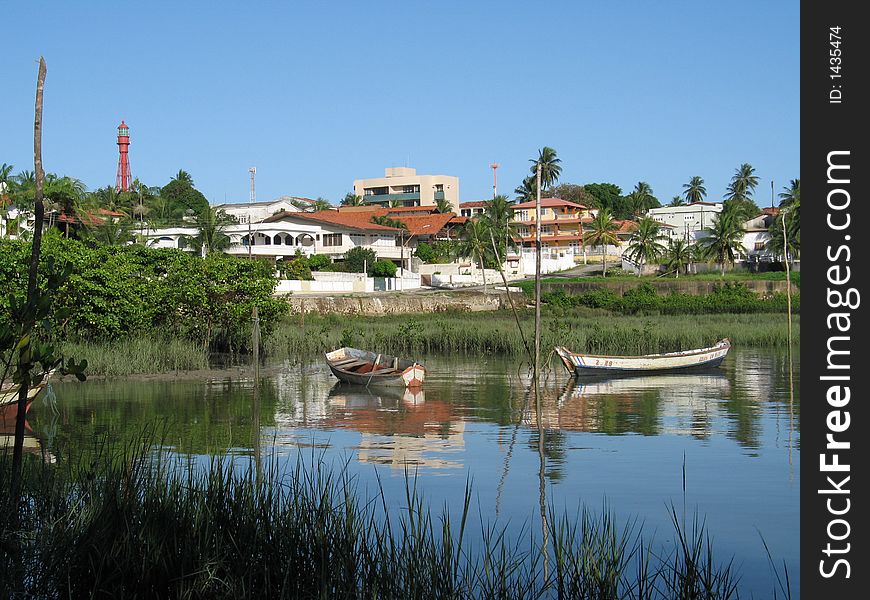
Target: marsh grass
[(135, 355), (582, 330), (134, 523)]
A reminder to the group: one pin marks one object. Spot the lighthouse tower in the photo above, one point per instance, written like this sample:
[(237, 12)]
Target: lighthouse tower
[(124, 179)]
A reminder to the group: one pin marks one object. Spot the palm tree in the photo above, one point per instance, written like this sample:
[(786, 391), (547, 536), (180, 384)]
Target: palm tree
[(394, 203), (791, 194), (527, 190), (694, 191), (642, 198), (498, 214), (442, 205), (66, 194), (313, 206), (210, 225), (388, 222), (111, 231), (184, 177), (550, 169), (724, 241), (476, 244), (645, 244), (679, 256), (602, 232), (743, 183), (351, 199), (677, 201)]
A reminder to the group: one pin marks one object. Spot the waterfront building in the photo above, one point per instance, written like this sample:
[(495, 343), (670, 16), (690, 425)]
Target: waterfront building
[(472, 209), (402, 185)]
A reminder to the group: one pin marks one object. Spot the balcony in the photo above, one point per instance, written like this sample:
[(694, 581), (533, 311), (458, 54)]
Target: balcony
[(386, 198), (439, 196)]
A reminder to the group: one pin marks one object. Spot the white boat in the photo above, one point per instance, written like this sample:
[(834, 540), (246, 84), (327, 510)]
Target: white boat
[(593, 364)]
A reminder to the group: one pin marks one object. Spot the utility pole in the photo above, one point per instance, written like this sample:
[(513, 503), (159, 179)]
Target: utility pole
[(494, 166), (252, 199)]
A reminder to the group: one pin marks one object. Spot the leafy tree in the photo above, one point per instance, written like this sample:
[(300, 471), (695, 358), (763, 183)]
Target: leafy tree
[(609, 196), (181, 197), (351, 199), (359, 260), (476, 244), (112, 231), (550, 167), (679, 256), (602, 232), (724, 241), (384, 268), (677, 201), (791, 194), (645, 244), (573, 192), (694, 191), (425, 252)]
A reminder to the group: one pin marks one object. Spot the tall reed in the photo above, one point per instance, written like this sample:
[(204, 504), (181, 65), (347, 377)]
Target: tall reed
[(134, 523), (134, 355), (496, 333)]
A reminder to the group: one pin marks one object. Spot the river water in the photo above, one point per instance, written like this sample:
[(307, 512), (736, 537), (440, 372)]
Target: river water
[(623, 443)]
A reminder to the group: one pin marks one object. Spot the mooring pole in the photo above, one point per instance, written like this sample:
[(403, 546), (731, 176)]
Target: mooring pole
[(537, 368)]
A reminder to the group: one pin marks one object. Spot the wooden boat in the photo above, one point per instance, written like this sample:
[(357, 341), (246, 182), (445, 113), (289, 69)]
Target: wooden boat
[(591, 364), (361, 367), (9, 395)]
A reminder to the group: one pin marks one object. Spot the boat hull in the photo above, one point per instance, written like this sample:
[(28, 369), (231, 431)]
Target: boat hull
[(597, 365), (360, 367)]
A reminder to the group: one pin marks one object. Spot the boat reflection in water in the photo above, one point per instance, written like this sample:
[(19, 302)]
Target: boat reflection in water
[(32, 443), (651, 404)]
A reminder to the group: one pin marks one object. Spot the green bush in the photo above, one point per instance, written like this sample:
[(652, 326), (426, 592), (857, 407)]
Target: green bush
[(384, 268), (359, 260), (298, 268), (319, 262), (425, 252), (118, 291)]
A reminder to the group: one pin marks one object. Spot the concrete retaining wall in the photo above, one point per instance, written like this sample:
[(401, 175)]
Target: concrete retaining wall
[(398, 304)]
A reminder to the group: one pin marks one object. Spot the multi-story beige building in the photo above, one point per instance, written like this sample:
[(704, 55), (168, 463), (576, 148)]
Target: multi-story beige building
[(403, 187), (561, 225)]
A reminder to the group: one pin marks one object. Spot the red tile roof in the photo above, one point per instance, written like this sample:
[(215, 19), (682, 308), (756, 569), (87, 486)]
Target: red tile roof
[(427, 225), (351, 220), (773, 211), (549, 202), (473, 204)]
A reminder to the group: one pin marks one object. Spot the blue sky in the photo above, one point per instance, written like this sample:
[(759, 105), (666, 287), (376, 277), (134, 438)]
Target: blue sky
[(318, 94)]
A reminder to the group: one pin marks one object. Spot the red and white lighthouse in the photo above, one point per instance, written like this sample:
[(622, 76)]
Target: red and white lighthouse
[(124, 178)]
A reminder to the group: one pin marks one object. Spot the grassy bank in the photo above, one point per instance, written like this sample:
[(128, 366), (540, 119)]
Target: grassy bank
[(135, 355), (738, 276), (133, 525), (496, 332)]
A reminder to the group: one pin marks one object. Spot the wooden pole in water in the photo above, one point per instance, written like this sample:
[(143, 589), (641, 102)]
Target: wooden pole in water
[(790, 362), (255, 407), (537, 367)]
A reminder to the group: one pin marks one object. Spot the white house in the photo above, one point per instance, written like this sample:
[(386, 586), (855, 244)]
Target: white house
[(254, 212), (687, 221)]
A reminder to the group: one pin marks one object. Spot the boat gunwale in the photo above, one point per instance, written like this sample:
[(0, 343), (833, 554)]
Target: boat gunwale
[(725, 342)]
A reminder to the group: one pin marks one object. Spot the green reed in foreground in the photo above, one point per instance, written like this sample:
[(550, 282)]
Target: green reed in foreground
[(141, 354), (582, 330), (131, 523)]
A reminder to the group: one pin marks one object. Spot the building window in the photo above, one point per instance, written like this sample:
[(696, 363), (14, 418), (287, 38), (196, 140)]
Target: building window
[(439, 187), (332, 239)]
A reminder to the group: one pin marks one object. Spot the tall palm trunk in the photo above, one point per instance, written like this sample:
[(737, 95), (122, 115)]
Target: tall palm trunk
[(604, 258), (482, 269)]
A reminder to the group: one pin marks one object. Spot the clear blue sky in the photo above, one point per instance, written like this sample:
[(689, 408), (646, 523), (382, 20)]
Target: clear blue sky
[(318, 94)]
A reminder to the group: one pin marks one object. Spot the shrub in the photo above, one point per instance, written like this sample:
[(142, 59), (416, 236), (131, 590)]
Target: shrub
[(425, 252), (298, 268), (384, 268), (358, 260), (319, 262)]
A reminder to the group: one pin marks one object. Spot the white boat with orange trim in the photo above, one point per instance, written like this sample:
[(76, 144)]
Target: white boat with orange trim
[(361, 367), (593, 364)]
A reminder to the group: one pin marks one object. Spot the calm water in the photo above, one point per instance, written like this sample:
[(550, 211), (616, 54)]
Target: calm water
[(623, 441)]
